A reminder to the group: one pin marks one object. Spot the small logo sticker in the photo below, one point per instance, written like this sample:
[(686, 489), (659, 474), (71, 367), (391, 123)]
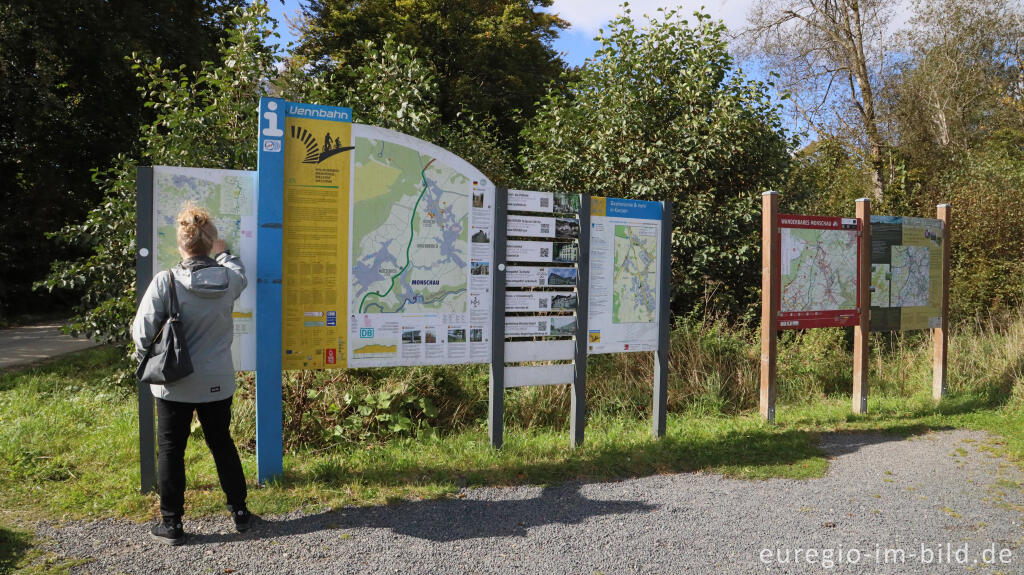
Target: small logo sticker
[(215, 389)]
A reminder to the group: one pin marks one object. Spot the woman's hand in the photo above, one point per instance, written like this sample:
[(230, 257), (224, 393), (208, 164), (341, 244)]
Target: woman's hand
[(219, 246)]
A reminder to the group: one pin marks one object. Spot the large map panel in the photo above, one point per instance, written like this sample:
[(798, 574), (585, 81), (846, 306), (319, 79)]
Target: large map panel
[(906, 277), (625, 251), (230, 197), (818, 271), (420, 254)]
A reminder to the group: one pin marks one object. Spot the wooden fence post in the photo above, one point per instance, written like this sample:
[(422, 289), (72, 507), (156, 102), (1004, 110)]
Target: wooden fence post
[(861, 330), (769, 301), (941, 334)]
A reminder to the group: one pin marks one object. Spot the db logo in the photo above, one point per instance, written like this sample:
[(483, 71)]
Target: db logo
[(365, 332), (330, 356)]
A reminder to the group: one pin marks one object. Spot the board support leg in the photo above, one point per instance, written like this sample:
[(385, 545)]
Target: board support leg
[(661, 356), (578, 408), (940, 334), (769, 302), (861, 330), (496, 382)]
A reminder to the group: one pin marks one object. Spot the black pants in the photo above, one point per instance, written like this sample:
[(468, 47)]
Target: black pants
[(174, 422)]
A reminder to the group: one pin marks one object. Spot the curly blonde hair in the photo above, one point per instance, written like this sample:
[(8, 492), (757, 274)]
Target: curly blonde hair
[(196, 231)]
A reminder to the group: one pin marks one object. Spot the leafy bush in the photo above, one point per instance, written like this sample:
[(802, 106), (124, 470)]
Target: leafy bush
[(986, 190), (200, 119), (661, 113)]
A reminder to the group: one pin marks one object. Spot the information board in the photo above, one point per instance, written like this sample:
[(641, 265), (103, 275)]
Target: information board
[(819, 271), (230, 197), (421, 251), (625, 251), (317, 186), (906, 273)]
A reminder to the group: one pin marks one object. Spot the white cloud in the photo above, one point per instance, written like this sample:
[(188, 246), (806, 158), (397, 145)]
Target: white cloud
[(589, 15)]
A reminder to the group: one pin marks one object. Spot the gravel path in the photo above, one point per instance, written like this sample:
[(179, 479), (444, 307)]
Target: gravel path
[(884, 499)]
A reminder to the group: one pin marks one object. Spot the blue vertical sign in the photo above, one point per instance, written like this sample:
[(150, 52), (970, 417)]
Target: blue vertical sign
[(270, 218)]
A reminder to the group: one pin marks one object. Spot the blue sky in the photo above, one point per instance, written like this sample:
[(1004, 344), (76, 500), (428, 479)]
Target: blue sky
[(586, 17)]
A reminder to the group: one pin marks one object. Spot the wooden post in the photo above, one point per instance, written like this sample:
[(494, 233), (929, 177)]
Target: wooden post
[(941, 334), (861, 330), (769, 301)]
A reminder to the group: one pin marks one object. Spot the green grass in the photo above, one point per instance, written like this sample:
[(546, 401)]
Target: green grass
[(69, 447), (72, 452)]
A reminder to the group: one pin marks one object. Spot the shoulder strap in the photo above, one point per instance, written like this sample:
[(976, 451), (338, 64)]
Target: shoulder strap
[(174, 311)]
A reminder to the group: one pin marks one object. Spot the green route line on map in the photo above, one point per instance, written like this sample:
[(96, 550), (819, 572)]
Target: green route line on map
[(412, 223)]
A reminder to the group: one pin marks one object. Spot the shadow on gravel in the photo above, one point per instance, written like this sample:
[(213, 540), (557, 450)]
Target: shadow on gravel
[(447, 520), (846, 442)]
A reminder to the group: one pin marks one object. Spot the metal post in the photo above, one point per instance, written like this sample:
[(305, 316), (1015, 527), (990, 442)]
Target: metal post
[(941, 334), (496, 391), (769, 301), (664, 294), (578, 407), (861, 330), (269, 242), (144, 258)]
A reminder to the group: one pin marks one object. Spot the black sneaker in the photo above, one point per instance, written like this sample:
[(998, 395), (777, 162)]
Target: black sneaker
[(168, 533), (242, 519)]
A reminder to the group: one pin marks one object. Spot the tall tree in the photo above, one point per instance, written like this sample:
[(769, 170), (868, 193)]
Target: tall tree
[(962, 79), (491, 57), (206, 117), (68, 104), (831, 56), (662, 113)]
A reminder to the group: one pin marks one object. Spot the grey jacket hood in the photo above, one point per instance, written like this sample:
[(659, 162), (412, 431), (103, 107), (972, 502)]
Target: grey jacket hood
[(207, 290), (203, 276)]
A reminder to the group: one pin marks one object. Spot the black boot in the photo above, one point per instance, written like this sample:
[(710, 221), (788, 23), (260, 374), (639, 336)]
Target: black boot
[(168, 532), (242, 519)]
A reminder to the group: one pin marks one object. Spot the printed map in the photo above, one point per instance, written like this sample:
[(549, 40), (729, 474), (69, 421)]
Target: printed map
[(635, 286), (229, 196), (410, 248), (910, 276), (819, 269)]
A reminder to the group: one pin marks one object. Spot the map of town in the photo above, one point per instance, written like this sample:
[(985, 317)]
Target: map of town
[(819, 269), (410, 231), (229, 196), (635, 285), (910, 276)]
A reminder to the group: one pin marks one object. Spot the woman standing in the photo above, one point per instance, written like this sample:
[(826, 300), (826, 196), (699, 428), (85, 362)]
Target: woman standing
[(207, 288)]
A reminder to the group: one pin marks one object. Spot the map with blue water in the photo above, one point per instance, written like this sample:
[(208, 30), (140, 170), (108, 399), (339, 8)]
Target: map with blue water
[(411, 237)]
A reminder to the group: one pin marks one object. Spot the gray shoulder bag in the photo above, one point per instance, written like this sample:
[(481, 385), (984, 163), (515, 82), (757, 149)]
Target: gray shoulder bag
[(167, 358)]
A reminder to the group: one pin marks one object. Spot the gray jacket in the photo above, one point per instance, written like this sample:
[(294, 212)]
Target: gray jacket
[(206, 295)]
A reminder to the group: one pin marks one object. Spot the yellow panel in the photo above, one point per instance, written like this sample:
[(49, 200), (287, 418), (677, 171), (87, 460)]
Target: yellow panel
[(317, 185)]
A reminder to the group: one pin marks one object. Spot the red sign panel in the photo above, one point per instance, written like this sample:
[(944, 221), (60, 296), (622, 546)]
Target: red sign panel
[(330, 356), (818, 271)]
